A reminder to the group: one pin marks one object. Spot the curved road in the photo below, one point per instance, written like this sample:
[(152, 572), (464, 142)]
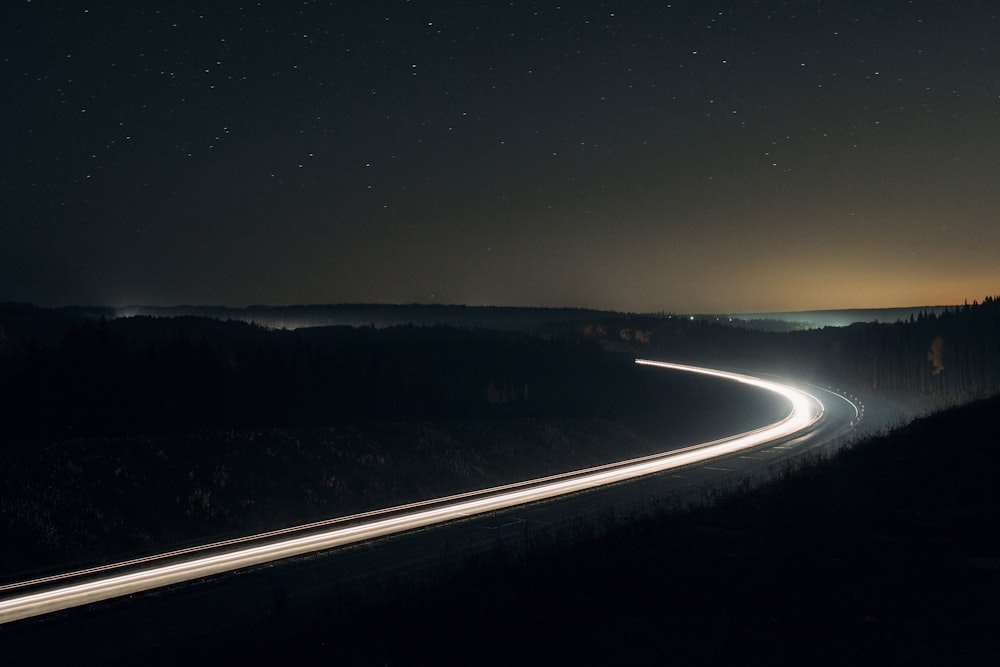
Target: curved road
[(49, 594)]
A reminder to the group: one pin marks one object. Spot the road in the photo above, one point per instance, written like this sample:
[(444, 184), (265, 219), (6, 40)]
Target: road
[(50, 594)]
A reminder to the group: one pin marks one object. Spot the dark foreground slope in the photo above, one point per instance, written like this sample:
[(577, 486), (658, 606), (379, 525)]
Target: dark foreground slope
[(888, 553), (135, 436)]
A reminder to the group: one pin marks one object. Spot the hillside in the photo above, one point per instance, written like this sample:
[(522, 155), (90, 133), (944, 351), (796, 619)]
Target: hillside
[(888, 553), (127, 435), (132, 436)]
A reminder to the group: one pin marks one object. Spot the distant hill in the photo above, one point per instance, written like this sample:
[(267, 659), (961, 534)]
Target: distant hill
[(817, 319), (503, 318), (510, 318)]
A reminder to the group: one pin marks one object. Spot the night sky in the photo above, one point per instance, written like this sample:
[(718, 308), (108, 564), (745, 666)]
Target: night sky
[(693, 156)]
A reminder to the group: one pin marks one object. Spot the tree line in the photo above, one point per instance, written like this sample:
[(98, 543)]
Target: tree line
[(936, 357), (112, 377)]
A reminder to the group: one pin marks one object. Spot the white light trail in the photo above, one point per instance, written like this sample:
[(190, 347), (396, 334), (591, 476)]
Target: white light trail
[(806, 410)]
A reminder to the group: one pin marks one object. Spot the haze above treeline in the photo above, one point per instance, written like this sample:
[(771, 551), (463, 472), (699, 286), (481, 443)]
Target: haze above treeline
[(492, 317)]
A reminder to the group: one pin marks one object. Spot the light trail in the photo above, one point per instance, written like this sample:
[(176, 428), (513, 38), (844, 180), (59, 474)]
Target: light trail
[(805, 411)]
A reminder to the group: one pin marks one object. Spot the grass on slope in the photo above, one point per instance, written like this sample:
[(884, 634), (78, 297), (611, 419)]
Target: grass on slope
[(888, 552)]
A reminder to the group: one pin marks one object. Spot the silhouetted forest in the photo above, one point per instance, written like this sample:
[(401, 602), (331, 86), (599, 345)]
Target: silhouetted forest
[(133, 434), (496, 318), (126, 435), (66, 377), (931, 359)]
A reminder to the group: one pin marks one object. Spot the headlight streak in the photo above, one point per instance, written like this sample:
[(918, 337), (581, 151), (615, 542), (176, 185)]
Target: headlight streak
[(806, 410)]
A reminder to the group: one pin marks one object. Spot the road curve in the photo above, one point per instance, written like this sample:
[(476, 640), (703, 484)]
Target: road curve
[(50, 594)]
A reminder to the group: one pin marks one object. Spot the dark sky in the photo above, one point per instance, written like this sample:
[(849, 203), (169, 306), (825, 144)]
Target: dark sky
[(693, 156)]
